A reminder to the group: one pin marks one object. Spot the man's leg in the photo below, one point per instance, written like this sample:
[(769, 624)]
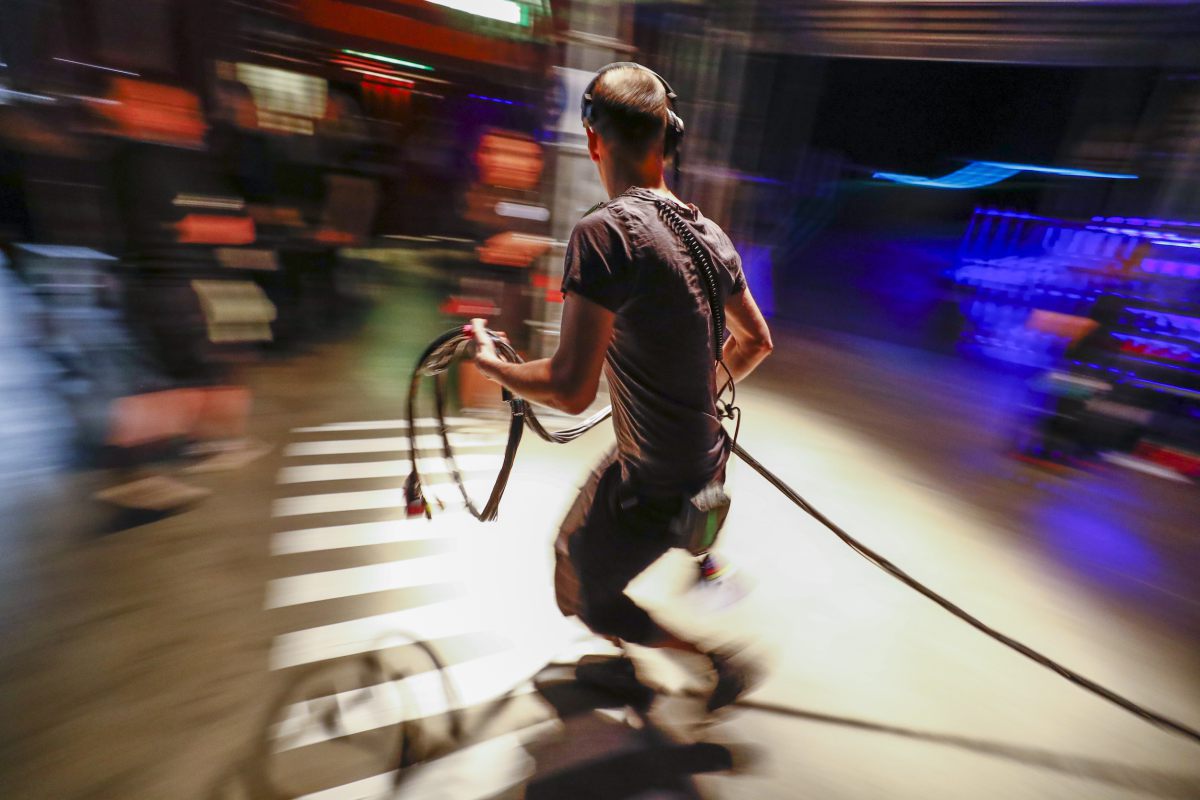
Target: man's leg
[(566, 579), (611, 548)]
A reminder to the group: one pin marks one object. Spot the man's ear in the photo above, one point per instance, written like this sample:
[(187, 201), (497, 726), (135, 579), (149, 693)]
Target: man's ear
[(593, 144)]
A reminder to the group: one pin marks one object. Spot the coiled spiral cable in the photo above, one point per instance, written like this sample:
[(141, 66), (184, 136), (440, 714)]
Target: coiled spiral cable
[(704, 269), (435, 363)]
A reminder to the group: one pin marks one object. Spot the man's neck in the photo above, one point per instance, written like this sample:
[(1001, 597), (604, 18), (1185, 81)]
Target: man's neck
[(650, 177)]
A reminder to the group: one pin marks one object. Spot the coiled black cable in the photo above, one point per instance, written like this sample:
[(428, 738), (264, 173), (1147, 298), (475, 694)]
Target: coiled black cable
[(435, 363), (707, 274), (704, 269)]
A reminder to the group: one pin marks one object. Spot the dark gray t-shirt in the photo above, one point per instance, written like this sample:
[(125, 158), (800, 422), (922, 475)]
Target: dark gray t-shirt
[(659, 365)]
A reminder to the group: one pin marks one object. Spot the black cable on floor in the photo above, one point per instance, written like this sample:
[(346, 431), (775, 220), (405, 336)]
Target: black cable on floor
[(436, 360), (887, 566)]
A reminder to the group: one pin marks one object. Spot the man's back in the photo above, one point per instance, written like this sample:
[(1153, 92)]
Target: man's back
[(660, 364), (636, 310)]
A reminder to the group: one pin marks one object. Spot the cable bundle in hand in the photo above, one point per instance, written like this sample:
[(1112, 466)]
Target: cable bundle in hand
[(435, 363)]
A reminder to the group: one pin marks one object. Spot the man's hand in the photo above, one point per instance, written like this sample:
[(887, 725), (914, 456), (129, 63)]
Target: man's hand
[(486, 357), (566, 381)]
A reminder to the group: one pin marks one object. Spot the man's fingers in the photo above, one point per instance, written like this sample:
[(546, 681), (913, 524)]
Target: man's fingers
[(483, 342), (479, 331)]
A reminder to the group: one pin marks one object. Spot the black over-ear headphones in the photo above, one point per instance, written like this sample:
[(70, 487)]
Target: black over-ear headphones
[(674, 131)]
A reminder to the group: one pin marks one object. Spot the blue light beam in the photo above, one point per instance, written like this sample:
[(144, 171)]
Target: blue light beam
[(986, 173)]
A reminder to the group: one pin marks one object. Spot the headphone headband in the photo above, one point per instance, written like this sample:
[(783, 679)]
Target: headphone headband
[(674, 129)]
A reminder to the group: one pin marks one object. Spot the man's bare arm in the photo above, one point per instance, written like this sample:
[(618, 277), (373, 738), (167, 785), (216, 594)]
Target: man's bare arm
[(749, 339), (568, 380)]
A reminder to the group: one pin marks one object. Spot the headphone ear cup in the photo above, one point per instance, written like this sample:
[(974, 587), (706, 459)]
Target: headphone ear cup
[(674, 121), (585, 104), (673, 134)]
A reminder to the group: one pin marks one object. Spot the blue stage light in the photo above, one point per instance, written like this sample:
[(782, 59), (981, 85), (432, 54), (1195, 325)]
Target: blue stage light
[(985, 173), (971, 176), (1070, 173)]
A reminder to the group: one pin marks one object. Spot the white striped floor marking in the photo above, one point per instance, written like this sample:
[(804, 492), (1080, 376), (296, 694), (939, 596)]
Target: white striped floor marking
[(317, 586), (470, 462), (376, 787), (367, 634), (387, 444), (476, 772), (414, 697), (386, 424), (472, 773), (369, 499), (365, 534), (424, 694)]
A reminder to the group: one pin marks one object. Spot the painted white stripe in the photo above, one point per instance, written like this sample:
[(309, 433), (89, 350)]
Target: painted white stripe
[(415, 697), (317, 586), (368, 500), (471, 462), (476, 772), (384, 424), (365, 534), (341, 501), (387, 444), (376, 787), (433, 621)]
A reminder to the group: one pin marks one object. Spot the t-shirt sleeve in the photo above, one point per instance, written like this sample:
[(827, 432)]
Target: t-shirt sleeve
[(599, 261), (735, 272)]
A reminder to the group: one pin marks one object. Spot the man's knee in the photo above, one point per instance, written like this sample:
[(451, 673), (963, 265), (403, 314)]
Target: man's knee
[(566, 585), (601, 615), (610, 614)]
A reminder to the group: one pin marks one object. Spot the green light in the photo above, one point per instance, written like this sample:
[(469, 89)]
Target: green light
[(388, 60)]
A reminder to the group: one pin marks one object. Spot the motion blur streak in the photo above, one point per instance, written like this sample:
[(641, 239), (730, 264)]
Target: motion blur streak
[(228, 229)]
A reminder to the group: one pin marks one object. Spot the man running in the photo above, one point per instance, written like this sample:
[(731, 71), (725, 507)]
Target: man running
[(636, 307)]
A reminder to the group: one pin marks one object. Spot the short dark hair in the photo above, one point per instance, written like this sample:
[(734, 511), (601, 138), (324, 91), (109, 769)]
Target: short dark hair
[(629, 109)]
